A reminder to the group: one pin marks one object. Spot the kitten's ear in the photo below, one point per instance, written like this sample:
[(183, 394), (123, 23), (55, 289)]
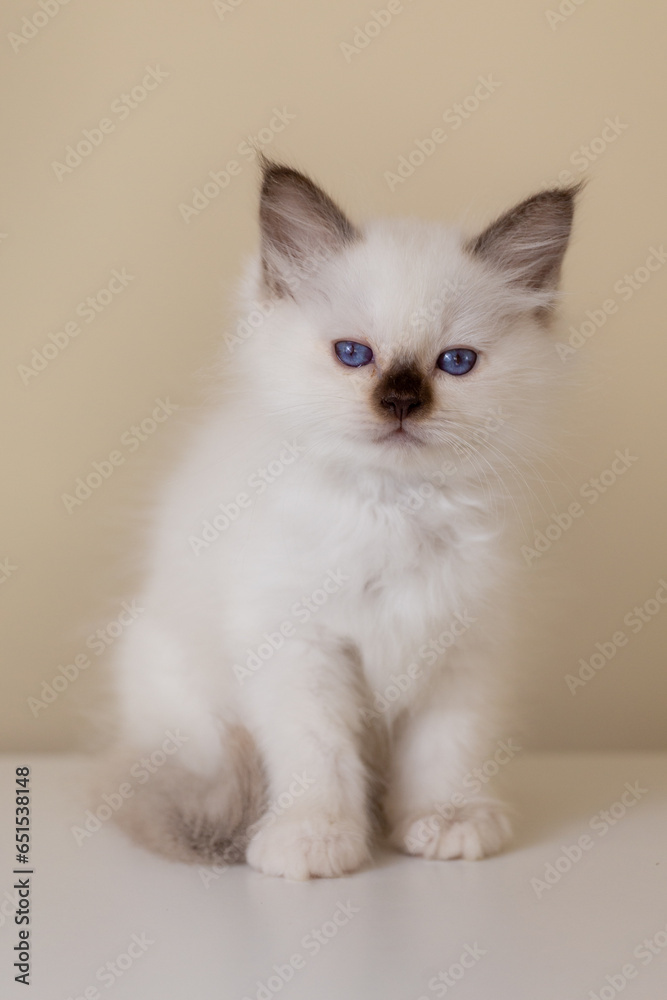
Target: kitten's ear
[(301, 227), (530, 240)]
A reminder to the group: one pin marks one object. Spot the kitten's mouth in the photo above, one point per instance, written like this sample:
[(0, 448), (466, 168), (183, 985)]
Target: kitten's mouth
[(400, 436)]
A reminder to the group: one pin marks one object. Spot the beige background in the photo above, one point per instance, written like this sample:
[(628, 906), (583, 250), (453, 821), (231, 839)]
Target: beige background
[(561, 76)]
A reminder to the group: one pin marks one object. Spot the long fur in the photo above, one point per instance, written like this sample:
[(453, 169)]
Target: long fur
[(410, 534)]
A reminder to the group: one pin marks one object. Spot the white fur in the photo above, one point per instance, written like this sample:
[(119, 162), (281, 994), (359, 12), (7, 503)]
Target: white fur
[(343, 506)]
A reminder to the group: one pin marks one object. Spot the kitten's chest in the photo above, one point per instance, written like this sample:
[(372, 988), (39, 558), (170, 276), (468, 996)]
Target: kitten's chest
[(374, 570), (395, 549), (408, 570)]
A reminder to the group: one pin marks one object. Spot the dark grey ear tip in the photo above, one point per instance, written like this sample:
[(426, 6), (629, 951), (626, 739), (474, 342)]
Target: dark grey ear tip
[(275, 174), (554, 202), (563, 194), (563, 198)]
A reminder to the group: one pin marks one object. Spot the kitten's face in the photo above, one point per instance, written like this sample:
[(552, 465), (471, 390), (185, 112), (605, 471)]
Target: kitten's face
[(400, 344)]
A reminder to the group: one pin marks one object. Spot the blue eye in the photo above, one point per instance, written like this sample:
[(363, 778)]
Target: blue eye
[(457, 361), (353, 354)]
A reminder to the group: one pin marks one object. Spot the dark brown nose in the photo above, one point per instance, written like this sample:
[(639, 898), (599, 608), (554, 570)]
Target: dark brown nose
[(401, 403), (402, 391)]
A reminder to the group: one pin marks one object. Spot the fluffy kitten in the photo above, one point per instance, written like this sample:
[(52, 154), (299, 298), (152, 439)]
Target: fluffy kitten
[(325, 606)]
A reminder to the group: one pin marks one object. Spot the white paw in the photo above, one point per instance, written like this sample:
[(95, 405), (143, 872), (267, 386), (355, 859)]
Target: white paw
[(475, 830), (308, 847)]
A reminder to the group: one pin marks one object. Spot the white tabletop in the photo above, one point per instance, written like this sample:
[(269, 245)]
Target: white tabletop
[(508, 928)]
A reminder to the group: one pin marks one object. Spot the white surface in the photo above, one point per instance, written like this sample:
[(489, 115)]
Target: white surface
[(414, 917)]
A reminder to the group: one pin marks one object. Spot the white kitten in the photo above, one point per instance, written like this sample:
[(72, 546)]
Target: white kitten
[(325, 607)]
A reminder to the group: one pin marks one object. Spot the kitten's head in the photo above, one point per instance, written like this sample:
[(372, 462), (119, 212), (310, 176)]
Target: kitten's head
[(399, 343)]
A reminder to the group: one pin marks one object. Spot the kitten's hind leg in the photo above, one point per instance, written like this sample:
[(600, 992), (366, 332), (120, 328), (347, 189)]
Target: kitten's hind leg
[(184, 815)]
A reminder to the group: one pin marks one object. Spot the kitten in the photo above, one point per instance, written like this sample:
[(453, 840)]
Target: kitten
[(326, 603)]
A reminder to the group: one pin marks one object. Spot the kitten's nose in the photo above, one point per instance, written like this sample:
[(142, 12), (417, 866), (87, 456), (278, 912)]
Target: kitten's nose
[(401, 403)]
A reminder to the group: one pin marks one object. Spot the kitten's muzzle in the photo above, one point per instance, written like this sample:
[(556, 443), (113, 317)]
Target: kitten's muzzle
[(403, 391)]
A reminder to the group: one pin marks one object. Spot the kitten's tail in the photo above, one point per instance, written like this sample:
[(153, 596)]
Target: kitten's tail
[(183, 815)]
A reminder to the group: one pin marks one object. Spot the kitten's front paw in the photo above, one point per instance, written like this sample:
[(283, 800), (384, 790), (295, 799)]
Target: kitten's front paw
[(478, 828), (308, 847)]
